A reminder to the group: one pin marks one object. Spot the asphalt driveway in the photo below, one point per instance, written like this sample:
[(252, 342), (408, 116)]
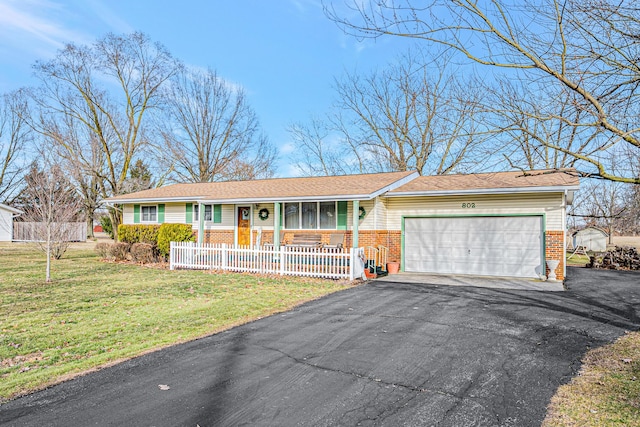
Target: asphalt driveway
[(379, 354)]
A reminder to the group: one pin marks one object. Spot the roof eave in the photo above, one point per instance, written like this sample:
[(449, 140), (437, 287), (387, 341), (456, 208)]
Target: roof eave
[(550, 189), (397, 184), (11, 209), (152, 200), (329, 198)]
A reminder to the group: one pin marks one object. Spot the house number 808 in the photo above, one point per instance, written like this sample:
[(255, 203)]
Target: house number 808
[(468, 205)]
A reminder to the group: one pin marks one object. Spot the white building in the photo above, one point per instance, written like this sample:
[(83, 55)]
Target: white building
[(7, 213)]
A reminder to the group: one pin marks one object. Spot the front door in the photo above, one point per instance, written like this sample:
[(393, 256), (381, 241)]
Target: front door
[(244, 225)]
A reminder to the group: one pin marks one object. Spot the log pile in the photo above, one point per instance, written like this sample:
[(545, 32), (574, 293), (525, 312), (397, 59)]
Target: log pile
[(619, 258)]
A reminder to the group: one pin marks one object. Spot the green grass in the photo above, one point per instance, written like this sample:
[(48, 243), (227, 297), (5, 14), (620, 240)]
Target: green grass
[(607, 391), (577, 259), (96, 313)]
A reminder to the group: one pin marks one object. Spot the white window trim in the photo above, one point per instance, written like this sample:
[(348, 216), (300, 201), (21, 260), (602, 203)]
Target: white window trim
[(284, 219), (196, 213), (142, 220)]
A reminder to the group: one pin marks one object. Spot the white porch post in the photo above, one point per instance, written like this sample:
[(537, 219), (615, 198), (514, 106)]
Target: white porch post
[(200, 224), (356, 221), (276, 225)]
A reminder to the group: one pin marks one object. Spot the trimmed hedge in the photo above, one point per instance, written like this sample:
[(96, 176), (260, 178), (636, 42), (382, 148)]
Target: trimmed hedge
[(144, 253), (119, 251), (139, 233), (173, 233), (103, 250)]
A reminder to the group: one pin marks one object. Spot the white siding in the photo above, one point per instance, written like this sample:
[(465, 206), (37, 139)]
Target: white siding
[(380, 214), (547, 203), (228, 219), (127, 214), (369, 221), (266, 224), (6, 226), (175, 213)]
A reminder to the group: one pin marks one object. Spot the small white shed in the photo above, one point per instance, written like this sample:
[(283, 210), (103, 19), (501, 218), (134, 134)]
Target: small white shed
[(591, 238), (6, 222)]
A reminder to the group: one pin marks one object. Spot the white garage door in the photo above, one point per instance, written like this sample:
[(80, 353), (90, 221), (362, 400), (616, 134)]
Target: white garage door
[(484, 246)]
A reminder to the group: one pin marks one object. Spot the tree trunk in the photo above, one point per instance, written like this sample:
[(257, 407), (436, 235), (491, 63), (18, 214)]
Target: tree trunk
[(116, 219), (48, 275), (89, 218)]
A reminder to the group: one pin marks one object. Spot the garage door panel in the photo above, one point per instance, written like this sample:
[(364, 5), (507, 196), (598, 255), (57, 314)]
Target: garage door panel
[(494, 246)]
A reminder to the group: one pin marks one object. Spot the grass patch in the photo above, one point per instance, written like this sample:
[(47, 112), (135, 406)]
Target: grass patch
[(606, 392), (577, 259), (95, 313)]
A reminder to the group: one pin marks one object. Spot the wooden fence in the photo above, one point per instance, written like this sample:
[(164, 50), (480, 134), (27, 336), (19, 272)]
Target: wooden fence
[(331, 263), (36, 231)]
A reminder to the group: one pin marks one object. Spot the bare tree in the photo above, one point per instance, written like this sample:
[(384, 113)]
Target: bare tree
[(413, 115), (14, 135), (523, 112), (52, 204), (602, 204), (588, 49), (321, 149), (94, 101), (212, 133), (631, 221)]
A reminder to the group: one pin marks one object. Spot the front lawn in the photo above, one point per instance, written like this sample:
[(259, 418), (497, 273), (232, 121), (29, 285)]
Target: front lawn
[(606, 392), (95, 313)]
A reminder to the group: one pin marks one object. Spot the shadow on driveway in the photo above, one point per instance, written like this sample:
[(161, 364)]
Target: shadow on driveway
[(379, 354)]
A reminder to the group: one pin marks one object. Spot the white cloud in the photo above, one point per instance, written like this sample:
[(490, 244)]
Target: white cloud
[(32, 19), (113, 21), (287, 148), (44, 26)]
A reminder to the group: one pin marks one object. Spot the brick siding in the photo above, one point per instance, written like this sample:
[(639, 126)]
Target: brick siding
[(555, 250), (218, 236)]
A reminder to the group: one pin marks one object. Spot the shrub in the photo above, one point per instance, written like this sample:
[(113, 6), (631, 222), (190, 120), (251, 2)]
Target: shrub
[(173, 233), (143, 253), (138, 233), (120, 250), (107, 227), (103, 250)]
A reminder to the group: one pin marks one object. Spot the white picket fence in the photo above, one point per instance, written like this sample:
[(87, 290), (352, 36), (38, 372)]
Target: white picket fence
[(330, 263)]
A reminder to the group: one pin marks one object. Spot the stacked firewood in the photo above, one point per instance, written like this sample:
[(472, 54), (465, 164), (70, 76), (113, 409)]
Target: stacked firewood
[(618, 258)]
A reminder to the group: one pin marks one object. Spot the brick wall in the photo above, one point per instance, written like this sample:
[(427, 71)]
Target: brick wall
[(218, 236), (555, 250), (390, 239)]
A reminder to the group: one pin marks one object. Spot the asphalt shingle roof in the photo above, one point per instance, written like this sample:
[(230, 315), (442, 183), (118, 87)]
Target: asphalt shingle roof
[(345, 186), (363, 186), (494, 180)]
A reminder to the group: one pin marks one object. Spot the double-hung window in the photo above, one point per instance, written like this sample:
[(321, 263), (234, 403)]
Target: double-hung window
[(149, 213), (212, 213), (208, 215)]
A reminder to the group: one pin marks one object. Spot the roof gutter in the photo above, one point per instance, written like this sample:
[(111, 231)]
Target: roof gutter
[(112, 202), (556, 189), (332, 198), (204, 199)]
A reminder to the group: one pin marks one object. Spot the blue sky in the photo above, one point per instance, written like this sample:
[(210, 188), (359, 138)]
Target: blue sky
[(284, 53)]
